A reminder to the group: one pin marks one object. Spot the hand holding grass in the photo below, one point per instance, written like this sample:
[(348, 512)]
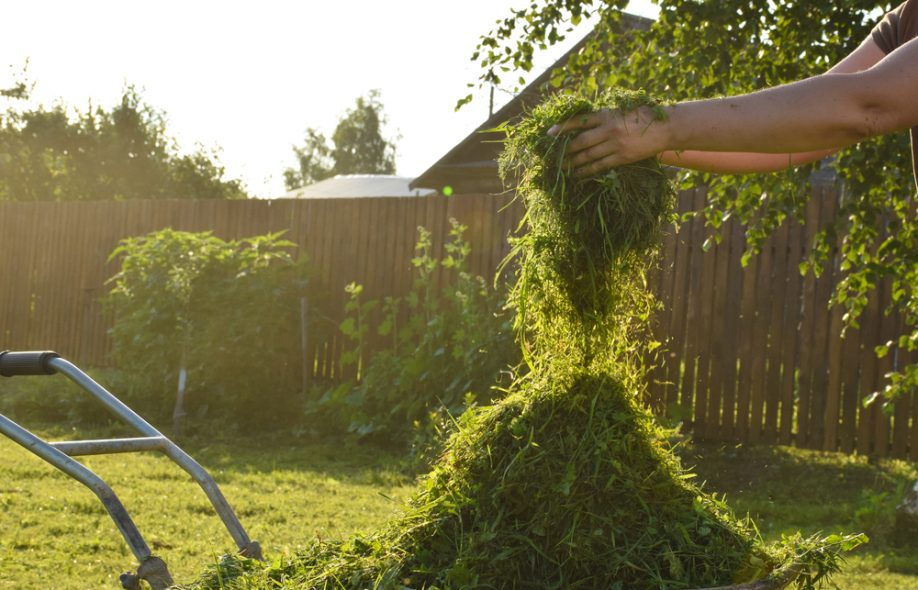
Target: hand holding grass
[(610, 138)]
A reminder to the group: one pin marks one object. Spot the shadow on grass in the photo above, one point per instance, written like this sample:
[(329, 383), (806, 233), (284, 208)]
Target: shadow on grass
[(230, 456)]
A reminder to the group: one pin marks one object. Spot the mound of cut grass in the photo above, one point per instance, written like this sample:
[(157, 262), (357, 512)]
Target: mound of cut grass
[(559, 485)]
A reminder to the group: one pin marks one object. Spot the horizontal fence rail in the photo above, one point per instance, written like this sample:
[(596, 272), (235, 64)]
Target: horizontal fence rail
[(751, 354)]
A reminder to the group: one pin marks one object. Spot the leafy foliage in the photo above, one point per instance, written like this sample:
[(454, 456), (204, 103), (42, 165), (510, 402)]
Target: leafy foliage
[(439, 350), (357, 147), (229, 312), (314, 160), (123, 153), (702, 49)]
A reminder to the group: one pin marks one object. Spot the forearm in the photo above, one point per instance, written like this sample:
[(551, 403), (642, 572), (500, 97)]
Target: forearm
[(739, 162), (823, 112), (813, 114)]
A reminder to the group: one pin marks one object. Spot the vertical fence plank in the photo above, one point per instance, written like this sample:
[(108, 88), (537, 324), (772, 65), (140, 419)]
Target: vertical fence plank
[(392, 262), (791, 330), (73, 277), (807, 328), (692, 314), (702, 335), (900, 427), (832, 414), (22, 297), (693, 327), (829, 415), (882, 421), (775, 328), (759, 348), (44, 297), (732, 331), (662, 320), (323, 236), (851, 365), (901, 409), (717, 342), (673, 353), (746, 348), (868, 382), (823, 320)]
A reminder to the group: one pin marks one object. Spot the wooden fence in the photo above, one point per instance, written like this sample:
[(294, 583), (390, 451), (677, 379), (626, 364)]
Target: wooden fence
[(752, 354), (54, 262)]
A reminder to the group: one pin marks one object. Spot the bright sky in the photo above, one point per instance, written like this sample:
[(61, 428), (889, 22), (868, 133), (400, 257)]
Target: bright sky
[(249, 78)]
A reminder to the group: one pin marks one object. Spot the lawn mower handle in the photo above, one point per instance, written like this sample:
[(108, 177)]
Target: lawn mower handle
[(35, 362), (59, 454)]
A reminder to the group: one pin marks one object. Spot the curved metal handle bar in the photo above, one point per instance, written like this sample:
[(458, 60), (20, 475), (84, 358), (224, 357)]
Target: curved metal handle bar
[(86, 477), (169, 448)]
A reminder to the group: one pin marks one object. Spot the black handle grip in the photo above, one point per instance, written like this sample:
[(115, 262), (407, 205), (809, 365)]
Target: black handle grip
[(34, 362)]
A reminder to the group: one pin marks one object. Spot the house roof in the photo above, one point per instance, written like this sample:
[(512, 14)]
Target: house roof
[(471, 165), (359, 185)]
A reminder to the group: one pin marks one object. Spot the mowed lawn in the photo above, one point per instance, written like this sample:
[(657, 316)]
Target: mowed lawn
[(55, 534)]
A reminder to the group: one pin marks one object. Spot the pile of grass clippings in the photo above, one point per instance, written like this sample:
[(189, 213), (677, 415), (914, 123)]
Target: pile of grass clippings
[(567, 481), (560, 485)]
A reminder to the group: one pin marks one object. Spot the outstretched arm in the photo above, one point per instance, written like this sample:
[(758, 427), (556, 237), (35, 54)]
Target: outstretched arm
[(825, 112), (862, 58)]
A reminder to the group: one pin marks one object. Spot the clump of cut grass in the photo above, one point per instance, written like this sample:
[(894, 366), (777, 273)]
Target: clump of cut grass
[(566, 481), (587, 241)]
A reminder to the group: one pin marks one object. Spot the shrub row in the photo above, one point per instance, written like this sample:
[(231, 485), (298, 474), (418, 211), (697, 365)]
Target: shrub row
[(227, 315)]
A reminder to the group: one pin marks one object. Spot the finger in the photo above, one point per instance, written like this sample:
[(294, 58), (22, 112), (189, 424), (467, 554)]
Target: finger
[(592, 144), (598, 166), (585, 121)]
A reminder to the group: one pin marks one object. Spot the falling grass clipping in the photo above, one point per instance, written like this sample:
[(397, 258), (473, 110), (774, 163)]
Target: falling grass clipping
[(566, 481), (586, 242)]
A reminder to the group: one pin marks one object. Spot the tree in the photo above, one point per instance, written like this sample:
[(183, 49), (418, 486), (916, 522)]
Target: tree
[(358, 147), (702, 49), (58, 154), (314, 160)]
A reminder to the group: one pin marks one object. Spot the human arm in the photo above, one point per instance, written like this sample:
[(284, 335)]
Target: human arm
[(825, 112), (865, 56), (739, 162)]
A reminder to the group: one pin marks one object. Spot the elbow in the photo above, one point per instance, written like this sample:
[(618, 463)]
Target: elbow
[(874, 112), (873, 119), (862, 107)]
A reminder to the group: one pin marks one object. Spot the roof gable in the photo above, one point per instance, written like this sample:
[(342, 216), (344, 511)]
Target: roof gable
[(471, 165)]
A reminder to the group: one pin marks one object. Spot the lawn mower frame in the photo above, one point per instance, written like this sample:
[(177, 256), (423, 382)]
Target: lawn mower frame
[(59, 454)]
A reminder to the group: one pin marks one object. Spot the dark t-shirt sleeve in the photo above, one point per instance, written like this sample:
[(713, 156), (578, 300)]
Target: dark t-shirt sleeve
[(897, 27)]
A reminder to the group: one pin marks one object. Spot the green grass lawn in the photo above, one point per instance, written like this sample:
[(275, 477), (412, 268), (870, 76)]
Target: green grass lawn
[(786, 490), (54, 533), (284, 492)]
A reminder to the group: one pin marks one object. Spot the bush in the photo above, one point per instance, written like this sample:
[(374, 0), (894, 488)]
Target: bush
[(228, 312), (444, 347), (54, 400)]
